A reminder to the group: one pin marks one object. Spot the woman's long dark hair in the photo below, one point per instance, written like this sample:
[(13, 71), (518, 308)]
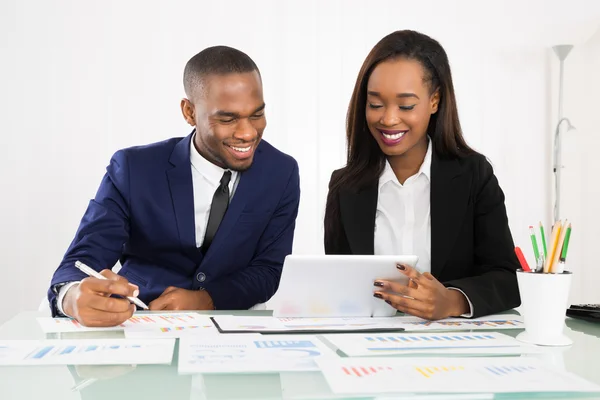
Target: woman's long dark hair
[(365, 160)]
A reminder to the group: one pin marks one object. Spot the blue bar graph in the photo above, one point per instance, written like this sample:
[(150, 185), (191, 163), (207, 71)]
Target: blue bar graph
[(67, 350), (282, 344), (43, 352), (440, 338), (504, 370)]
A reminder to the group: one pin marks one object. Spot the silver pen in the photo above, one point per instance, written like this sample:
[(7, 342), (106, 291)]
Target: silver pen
[(93, 273)]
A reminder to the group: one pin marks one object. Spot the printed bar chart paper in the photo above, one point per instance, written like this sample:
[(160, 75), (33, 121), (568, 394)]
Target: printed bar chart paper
[(203, 325), (86, 352), (490, 322), (250, 354), (238, 324), (448, 375), (482, 343), (141, 321)]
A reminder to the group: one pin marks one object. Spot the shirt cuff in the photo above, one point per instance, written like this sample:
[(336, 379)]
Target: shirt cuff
[(470, 314), (61, 296)]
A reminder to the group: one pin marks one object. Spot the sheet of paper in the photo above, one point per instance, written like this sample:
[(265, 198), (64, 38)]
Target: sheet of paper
[(250, 354), (230, 323), (373, 345), (86, 352), (490, 322), (448, 375), (313, 386), (203, 326), (298, 325), (138, 320)]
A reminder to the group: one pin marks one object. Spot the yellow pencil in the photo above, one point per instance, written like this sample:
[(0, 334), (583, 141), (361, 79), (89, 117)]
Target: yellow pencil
[(559, 246), (553, 246)]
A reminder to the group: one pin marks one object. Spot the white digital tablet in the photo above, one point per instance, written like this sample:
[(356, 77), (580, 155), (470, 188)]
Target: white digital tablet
[(336, 285)]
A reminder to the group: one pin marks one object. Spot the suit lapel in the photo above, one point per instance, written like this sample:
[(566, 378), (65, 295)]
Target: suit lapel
[(182, 194), (450, 190), (358, 218)]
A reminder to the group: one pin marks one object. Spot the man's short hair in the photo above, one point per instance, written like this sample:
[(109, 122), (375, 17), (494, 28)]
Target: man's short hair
[(216, 60)]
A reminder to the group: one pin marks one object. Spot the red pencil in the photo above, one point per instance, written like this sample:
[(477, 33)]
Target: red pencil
[(522, 259)]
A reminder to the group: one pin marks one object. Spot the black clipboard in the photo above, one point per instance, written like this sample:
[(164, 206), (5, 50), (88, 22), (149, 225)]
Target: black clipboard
[(307, 331)]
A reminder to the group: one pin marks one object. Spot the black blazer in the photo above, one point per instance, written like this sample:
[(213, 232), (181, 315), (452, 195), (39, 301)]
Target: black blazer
[(471, 245)]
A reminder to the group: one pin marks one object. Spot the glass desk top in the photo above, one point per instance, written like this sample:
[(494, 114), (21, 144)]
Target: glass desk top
[(161, 382)]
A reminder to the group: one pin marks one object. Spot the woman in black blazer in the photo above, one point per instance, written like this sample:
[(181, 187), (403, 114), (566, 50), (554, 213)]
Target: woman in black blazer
[(412, 185)]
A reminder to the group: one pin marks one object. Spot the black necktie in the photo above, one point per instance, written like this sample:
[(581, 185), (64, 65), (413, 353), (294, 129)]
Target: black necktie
[(219, 205)]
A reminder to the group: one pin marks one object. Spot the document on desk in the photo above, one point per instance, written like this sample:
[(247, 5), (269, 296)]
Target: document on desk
[(86, 352), (482, 344), (250, 354), (371, 376), (139, 321), (243, 324), (202, 325), (490, 322)]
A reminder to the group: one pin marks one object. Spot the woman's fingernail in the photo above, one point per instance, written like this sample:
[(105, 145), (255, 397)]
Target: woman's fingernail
[(136, 293), (389, 302), (400, 267), (378, 295), (377, 283)]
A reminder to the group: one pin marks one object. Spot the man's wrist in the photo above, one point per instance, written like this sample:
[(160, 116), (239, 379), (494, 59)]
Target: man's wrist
[(208, 300), (68, 302), (61, 290)]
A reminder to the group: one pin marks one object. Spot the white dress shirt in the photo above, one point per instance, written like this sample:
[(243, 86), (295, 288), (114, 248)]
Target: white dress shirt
[(403, 217), (206, 177)]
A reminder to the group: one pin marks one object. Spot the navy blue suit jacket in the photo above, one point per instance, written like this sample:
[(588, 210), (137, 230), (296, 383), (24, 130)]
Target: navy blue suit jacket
[(143, 216)]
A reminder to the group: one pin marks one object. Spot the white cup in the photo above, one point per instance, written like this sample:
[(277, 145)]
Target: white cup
[(544, 303)]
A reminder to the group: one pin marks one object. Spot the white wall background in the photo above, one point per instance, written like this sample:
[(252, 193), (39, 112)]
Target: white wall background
[(580, 201), (80, 79)]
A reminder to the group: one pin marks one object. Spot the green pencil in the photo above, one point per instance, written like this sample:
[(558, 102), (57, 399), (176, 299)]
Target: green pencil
[(543, 240), (563, 253), (536, 252)]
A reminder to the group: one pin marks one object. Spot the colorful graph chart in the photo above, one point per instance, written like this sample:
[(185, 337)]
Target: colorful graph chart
[(161, 319), (364, 371), (51, 325), (428, 372), (184, 328), (86, 352), (442, 375), (57, 351), (224, 353), (469, 324), (283, 344), (429, 339), (507, 370), (425, 342)]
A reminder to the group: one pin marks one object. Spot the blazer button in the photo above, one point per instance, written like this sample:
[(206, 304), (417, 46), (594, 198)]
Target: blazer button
[(201, 277)]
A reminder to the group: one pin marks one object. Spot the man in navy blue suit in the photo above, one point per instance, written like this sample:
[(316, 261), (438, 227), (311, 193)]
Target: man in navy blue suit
[(198, 223)]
